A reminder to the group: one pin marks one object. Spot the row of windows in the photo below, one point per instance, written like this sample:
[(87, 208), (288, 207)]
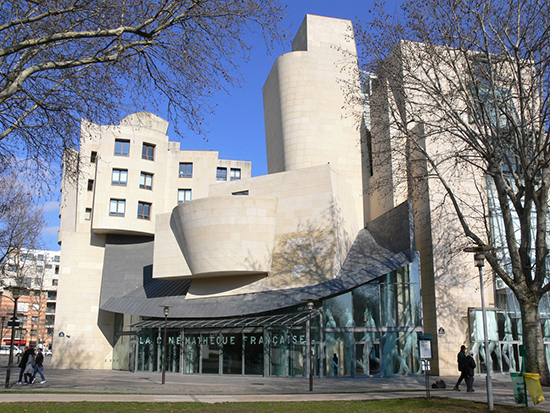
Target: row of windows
[(38, 257), (39, 268), (234, 174), (120, 176), (118, 206), (122, 148), (186, 171)]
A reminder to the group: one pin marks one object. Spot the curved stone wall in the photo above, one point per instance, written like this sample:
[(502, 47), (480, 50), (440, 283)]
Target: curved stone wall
[(226, 235)]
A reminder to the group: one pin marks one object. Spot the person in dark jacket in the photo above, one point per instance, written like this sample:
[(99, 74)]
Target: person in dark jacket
[(461, 360), (23, 364), (470, 369), (39, 361)]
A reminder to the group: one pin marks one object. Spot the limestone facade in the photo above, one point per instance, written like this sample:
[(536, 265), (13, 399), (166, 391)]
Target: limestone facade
[(290, 229)]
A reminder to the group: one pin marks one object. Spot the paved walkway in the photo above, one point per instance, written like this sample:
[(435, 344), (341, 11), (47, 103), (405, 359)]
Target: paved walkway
[(101, 385)]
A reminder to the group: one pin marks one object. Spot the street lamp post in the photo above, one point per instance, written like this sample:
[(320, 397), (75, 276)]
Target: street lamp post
[(2, 332), (311, 359), (479, 259), (16, 293), (166, 311), (309, 340)]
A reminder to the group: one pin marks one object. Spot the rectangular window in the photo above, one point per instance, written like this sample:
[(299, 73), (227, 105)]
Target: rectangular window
[(122, 147), (146, 181), (144, 210), (56, 258), (184, 195), (148, 152), (118, 207), (221, 174), (40, 257), (93, 157), (90, 184), (88, 214), (120, 176), (55, 282), (23, 308), (235, 174), (186, 170), (56, 271)]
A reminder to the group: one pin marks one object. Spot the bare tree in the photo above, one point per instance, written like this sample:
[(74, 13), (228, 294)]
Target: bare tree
[(471, 79), (21, 220), (61, 61)]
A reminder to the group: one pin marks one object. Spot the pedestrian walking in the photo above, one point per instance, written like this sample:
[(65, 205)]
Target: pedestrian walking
[(334, 364), (23, 364), (462, 367), (470, 369), (29, 368), (39, 361)]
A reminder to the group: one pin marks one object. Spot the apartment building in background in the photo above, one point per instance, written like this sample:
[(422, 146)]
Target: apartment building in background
[(37, 271)]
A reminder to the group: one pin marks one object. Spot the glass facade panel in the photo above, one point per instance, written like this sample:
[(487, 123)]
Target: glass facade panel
[(191, 353), (504, 334), (146, 357), (210, 353), (173, 350), (232, 349), (253, 353), (370, 330)]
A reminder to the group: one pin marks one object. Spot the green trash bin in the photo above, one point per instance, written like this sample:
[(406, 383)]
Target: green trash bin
[(518, 385)]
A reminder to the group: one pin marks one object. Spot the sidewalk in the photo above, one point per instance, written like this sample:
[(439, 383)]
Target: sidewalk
[(109, 385)]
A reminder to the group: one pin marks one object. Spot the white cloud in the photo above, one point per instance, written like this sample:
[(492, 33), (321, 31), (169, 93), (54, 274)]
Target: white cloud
[(50, 231), (51, 206)]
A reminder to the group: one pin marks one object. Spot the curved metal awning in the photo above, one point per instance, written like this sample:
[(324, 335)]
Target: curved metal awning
[(290, 319)]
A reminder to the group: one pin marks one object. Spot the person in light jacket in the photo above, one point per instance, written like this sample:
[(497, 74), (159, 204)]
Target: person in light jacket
[(29, 368)]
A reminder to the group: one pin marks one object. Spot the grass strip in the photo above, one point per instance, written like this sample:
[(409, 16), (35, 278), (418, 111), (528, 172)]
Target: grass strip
[(378, 406)]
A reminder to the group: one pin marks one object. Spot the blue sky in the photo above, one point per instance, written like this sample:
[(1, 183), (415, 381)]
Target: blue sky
[(236, 129)]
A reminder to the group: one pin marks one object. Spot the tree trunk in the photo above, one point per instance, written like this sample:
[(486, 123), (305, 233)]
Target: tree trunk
[(535, 360)]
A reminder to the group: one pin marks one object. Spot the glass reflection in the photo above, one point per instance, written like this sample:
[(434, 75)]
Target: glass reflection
[(370, 330)]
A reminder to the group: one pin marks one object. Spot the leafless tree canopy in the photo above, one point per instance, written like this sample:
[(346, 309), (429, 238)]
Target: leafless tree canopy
[(474, 74), (21, 220), (63, 60)]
